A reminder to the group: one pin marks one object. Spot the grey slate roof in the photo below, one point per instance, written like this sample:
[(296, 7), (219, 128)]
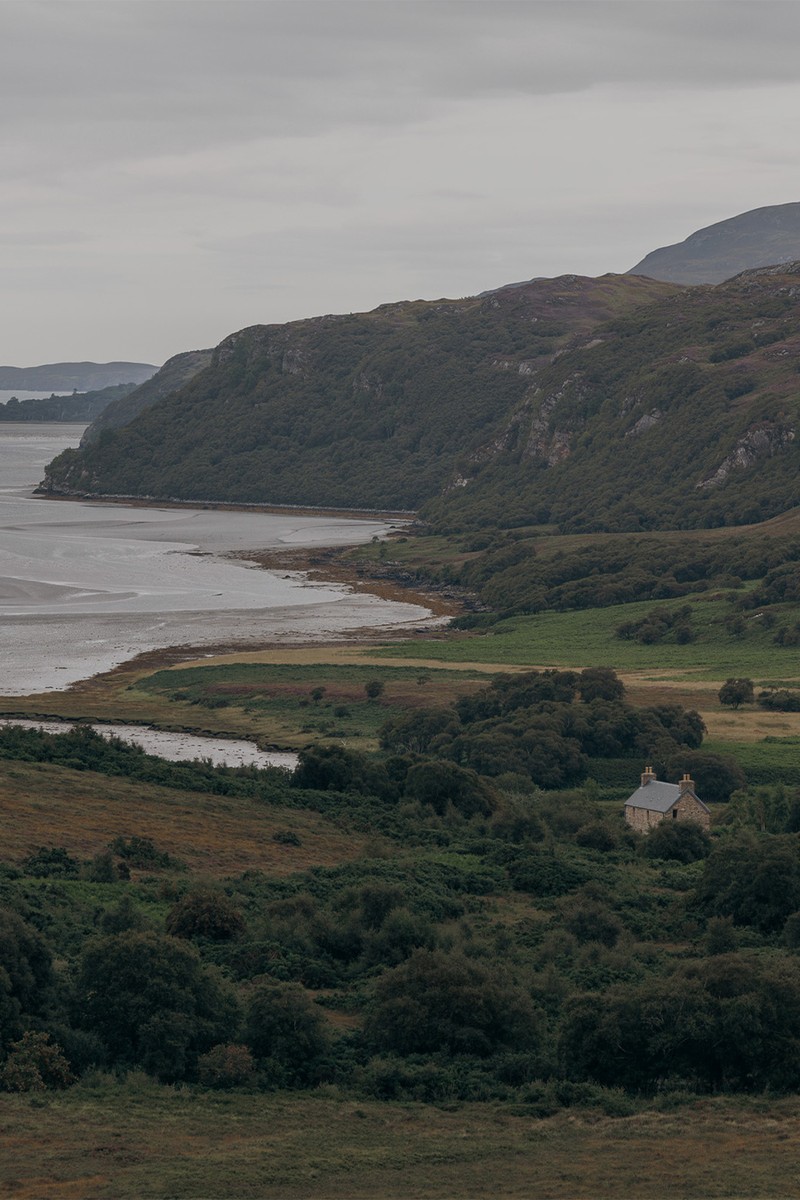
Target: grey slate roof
[(657, 797)]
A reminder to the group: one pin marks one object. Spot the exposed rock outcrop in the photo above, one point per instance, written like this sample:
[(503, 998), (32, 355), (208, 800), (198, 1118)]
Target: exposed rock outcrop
[(763, 440)]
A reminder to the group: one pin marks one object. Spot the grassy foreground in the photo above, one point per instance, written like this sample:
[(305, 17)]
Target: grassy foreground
[(141, 1140)]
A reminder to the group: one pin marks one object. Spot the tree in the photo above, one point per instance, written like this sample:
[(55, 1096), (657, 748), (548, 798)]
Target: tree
[(25, 973), (600, 683), (682, 841), (205, 912), (716, 776), (374, 688), (152, 1002), (735, 692), (754, 879), (284, 1026), (445, 1002), (439, 784), (730, 1022)]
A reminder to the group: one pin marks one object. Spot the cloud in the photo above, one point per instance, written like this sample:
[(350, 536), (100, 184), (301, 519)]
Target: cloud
[(260, 161)]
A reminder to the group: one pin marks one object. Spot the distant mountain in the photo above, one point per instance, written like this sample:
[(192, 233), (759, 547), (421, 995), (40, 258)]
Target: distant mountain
[(760, 238), (85, 406), (69, 376), (175, 373)]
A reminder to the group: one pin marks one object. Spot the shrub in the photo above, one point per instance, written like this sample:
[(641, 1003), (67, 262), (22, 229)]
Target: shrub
[(205, 912), (141, 852), (597, 835), (754, 880), (25, 973), (446, 1002), (226, 1065), (284, 1026), (439, 784), (736, 691), (286, 837), (731, 1022), (34, 1064), (681, 841), (51, 863), (152, 1002), (102, 868)]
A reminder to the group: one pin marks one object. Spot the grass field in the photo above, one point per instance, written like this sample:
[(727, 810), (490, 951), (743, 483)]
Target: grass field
[(587, 638), (139, 1141)]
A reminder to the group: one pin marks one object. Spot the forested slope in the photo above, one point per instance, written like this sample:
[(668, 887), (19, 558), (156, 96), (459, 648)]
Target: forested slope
[(617, 403), (368, 410)]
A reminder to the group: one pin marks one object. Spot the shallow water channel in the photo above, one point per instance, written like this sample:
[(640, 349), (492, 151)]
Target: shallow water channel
[(179, 747)]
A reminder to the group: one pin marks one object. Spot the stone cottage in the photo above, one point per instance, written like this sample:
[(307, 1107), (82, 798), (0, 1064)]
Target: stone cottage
[(654, 802)]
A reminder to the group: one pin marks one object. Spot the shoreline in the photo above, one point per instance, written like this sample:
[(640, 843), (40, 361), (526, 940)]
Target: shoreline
[(405, 515), (317, 564)]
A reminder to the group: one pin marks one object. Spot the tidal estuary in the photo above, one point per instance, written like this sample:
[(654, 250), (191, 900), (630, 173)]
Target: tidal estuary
[(86, 586)]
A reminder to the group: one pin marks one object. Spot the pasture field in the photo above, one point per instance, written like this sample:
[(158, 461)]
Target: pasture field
[(587, 637)]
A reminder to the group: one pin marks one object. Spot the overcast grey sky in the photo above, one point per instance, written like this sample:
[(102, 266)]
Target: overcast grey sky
[(175, 170)]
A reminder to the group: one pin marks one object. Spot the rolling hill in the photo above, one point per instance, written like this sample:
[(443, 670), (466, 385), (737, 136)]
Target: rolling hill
[(616, 403), (759, 238), (78, 376)]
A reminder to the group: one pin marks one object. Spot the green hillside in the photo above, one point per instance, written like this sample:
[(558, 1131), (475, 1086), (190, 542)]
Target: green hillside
[(616, 403), (377, 410), (83, 406)]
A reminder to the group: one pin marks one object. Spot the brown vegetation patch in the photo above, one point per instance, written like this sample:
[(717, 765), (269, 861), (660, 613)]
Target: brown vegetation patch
[(46, 805), (165, 1143)]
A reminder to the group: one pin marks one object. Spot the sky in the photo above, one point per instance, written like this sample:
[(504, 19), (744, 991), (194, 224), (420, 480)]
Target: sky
[(174, 170)]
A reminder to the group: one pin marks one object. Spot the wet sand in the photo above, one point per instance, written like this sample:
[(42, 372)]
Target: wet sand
[(87, 586)]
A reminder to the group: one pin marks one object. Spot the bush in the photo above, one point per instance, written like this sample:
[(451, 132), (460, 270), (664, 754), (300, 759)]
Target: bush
[(285, 1027), (440, 784), (26, 974), (681, 841), (597, 835), (34, 1064), (102, 868), (206, 913), (731, 1022), (716, 776), (153, 1002), (225, 1066), (51, 863), (140, 852), (735, 692), (754, 880), (446, 1002)]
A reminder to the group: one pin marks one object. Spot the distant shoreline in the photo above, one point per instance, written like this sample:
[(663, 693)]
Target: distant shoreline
[(406, 515)]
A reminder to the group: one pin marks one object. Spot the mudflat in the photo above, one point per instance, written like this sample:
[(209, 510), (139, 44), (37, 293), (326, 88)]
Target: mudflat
[(85, 586)]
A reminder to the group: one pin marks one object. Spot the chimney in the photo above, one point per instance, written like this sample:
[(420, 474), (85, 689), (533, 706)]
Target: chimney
[(686, 784), (648, 776)]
